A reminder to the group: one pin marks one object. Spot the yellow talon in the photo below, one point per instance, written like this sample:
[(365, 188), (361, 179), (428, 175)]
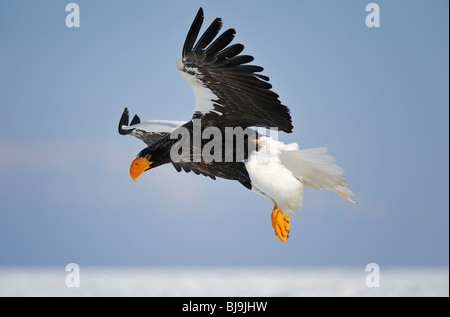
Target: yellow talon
[(280, 223)]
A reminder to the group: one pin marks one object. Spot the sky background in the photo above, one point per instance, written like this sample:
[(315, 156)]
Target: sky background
[(376, 97)]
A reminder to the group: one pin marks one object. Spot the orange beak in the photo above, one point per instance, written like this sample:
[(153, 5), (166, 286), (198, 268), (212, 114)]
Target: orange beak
[(139, 166)]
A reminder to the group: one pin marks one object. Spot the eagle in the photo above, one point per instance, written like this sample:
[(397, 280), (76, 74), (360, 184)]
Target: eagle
[(234, 105)]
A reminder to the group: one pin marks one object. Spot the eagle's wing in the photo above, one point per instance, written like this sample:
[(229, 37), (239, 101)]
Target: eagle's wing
[(151, 131), (227, 91), (148, 131)]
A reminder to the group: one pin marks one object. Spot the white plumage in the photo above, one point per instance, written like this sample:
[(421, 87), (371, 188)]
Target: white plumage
[(317, 169), (154, 126), (205, 99), (279, 171)]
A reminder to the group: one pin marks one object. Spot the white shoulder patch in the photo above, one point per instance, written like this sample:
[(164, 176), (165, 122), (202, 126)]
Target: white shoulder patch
[(205, 99), (156, 126)]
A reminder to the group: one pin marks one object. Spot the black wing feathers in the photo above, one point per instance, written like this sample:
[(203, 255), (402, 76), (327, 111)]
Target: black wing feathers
[(124, 122), (136, 120), (192, 34), (244, 96), (221, 42), (230, 51), (208, 36)]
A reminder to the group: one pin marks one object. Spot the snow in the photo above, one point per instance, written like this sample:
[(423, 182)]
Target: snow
[(212, 281)]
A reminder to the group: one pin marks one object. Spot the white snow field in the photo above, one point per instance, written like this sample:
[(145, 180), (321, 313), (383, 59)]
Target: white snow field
[(212, 281)]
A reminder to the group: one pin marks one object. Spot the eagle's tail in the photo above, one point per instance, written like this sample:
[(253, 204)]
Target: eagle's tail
[(317, 169)]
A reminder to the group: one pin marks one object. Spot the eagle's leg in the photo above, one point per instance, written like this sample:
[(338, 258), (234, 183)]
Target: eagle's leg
[(280, 223)]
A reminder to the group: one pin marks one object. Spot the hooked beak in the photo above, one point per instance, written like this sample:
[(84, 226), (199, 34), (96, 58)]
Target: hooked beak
[(139, 166)]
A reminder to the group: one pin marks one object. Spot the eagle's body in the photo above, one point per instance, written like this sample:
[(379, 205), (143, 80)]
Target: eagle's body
[(231, 95)]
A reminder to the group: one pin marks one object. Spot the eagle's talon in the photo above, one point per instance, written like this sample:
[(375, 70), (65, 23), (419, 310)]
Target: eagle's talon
[(280, 223)]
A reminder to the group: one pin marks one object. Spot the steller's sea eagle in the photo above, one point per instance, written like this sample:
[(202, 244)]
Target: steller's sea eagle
[(229, 94)]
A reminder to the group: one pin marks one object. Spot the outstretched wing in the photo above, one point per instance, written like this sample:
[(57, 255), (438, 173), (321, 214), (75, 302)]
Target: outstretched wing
[(227, 91), (150, 132)]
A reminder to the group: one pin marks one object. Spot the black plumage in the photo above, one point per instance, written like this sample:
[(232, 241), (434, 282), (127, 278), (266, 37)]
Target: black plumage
[(150, 138), (244, 99)]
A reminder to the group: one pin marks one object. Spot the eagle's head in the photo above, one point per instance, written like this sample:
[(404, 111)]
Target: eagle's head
[(155, 155), (139, 165)]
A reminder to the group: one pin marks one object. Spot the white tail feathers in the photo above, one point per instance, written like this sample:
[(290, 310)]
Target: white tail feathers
[(317, 169)]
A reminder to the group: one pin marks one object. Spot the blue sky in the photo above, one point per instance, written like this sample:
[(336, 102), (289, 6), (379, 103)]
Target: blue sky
[(376, 97)]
